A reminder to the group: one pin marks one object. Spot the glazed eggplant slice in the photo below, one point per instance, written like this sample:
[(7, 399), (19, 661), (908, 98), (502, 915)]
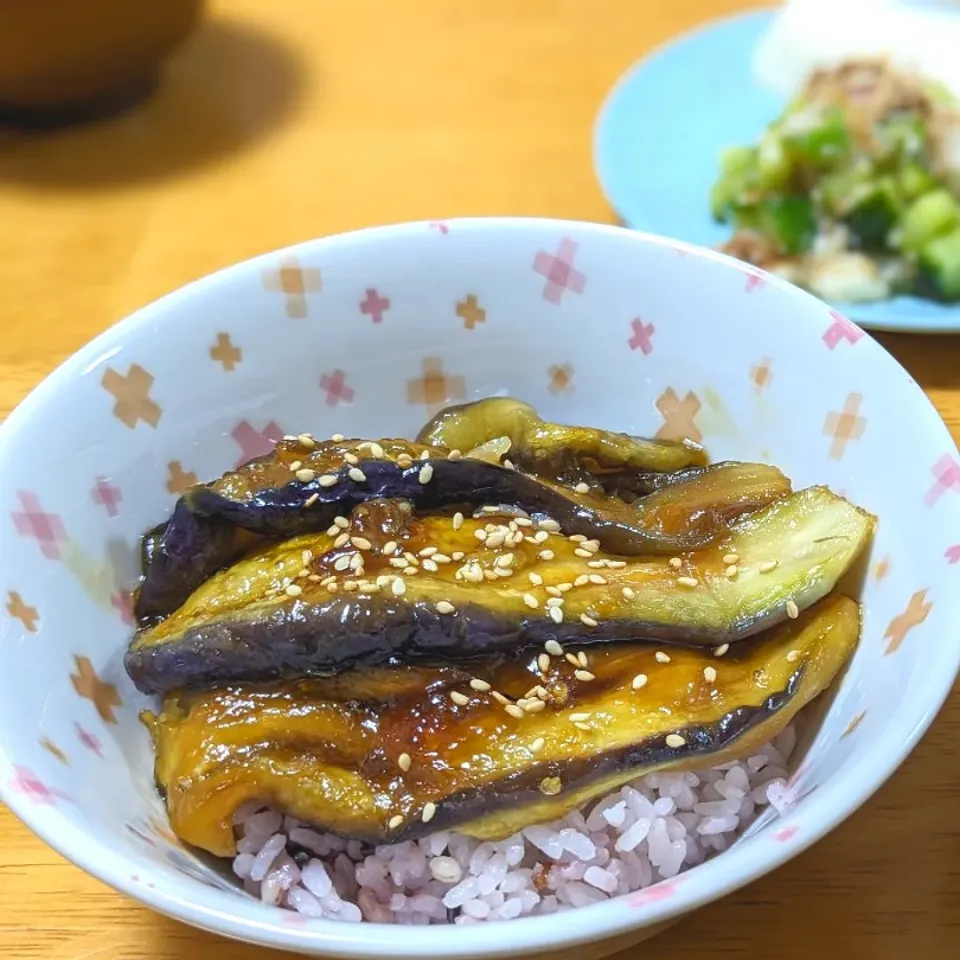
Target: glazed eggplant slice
[(297, 490), (553, 448), (398, 586), (334, 761)]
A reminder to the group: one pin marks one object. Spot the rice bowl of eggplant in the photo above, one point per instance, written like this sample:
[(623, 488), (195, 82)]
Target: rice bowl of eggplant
[(439, 623)]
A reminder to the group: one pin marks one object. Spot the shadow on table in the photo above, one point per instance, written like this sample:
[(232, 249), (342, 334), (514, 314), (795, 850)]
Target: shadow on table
[(226, 90), (933, 361)]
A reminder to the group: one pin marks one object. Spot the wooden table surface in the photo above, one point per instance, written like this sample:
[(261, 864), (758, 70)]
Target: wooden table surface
[(289, 119)]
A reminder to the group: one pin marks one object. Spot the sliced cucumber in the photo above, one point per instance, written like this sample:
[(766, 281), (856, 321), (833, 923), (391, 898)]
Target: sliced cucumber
[(939, 267), (929, 216)]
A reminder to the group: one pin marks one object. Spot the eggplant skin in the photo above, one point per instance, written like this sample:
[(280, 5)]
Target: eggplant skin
[(312, 748), (242, 624), (267, 499)]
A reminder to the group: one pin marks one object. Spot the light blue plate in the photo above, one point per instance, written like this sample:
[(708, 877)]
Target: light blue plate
[(659, 135)]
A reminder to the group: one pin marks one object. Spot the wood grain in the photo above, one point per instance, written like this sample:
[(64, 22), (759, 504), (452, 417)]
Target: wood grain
[(284, 120)]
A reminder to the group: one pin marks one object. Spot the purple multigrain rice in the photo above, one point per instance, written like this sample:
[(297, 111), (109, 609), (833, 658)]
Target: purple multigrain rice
[(647, 831)]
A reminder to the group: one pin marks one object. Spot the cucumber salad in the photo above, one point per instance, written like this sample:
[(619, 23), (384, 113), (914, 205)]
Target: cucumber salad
[(854, 191)]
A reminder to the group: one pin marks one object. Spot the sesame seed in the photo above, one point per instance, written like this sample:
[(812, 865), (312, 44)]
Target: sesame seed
[(554, 602), (582, 488), (580, 725), (305, 475), (426, 473), (457, 520), (523, 521), (495, 539), (395, 822), (676, 563), (389, 547), (580, 552), (457, 555), (351, 458), (616, 564), (534, 705), (514, 711), (793, 656), (596, 578), (409, 571), (543, 662), (548, 524), (454, 454), (721, 650), (342, 522), (327, 480), (333, 530), (581, 580), (628, 593), (355, 473), (314, 578), (305, 440), (504, 560), (531, 601), (535, 578), (306, 557), (410, 558), (499, 697), (356, 563), (445, 606), (398, 587), (579, 717), (361, 543), (689, 582), (296, 465), (640, 680), (341, 563), (428, 551), (337, 438), (577, 538), (572, 659), (731, 558), (793, 611), (589, 621), (541, 691), (376, 449), (554, 591), (293, 590), (582, 659), (429, 809), (397, 562), (404, 762), (481, 686), (460, 699), (545, 555), (553, 648), (731, 572), (429, 565), (550, 786), (768, 565), (311, 500), (424, 454), (404, 460), (332, 587), (537, 745), (556, 614), (662, 657), (709, 674), (584, 675), (540, 536), (342, 539), (675, 740)]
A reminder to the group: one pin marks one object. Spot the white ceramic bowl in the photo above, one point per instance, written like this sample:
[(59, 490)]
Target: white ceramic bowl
[(366, 334)]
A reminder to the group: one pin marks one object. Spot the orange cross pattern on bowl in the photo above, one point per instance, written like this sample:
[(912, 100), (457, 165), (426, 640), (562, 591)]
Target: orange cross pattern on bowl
[(225, 353), (470, 312), (678, 416), (54, 750), (27, 615), (845, 426), (434, 388), (294, 282), (917, 611), (132, 395), (179, 479), (88, 685), (561, 378), (760, 374)]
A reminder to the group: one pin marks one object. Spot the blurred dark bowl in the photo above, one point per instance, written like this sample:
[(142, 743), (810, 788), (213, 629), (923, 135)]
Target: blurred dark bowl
[(63, 59)]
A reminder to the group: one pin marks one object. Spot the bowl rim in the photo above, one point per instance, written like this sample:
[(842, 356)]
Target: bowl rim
[(216, 910)]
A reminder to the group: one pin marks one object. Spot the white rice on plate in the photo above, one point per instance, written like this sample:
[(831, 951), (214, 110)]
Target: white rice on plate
[(649, 830)]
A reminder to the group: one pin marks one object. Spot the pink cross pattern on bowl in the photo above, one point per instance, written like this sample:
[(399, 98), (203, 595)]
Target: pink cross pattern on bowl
[(25, 781), (559, 270), (642, 338), (947, 473), (841, 330), (334, 384), (46, 528), (255, 443), (107, 495)]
